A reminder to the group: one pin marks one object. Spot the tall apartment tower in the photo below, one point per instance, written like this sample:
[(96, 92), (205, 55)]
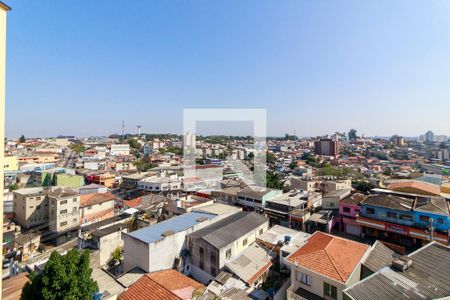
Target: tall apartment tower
[(189, 140), (327, 147)]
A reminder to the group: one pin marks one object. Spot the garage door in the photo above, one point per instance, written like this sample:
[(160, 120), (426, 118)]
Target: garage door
[(353, 229)]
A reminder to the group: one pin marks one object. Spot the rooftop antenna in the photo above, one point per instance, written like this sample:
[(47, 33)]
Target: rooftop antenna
[(139, 130), (123, 131)]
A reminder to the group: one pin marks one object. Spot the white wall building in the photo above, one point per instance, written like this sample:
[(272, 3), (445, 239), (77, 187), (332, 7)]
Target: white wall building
[(120, 149)]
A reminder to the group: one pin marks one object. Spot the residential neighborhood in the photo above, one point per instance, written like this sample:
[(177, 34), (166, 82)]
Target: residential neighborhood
[(223, 150)]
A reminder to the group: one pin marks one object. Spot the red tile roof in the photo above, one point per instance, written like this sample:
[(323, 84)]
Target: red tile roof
[(330, 256), (133, 202), (95, 198), (166, 284), (146, 288)]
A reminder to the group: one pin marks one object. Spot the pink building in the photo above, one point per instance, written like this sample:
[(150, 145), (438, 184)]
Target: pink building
[(348, 210)]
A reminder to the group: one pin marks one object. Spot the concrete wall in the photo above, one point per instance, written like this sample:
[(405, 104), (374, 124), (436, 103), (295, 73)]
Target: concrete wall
[(107, 244)]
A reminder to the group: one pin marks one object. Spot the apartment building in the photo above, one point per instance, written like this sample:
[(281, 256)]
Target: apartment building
[(326, 147), (96, 207), (212, 247), (64, 214), (31, 206)]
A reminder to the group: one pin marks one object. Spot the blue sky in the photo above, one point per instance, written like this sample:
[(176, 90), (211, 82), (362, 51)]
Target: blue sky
[(81, 67)]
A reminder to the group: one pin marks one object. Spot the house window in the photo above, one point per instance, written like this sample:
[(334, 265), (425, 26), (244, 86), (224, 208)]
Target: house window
[(346, 209), (63, 202), (440, 221), (212, 258), (228, 254), (406, 217), (63, 211), (63, 224), (391, 215), (74, 200), (370, 211), (424, 219), (303, 278), (244, 242), (329, 291), (202, 258), (260, 231)]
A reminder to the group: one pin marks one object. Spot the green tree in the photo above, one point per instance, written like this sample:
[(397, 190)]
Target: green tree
[(134, 144), (293, 165), (270, 158), (273, 181), (363, 186), (352, 134), (77, 147), (13, 187), (64, 277), (22, 139)]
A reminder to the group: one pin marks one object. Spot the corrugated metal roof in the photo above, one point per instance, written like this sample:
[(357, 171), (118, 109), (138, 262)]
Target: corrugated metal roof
[(380, 257), (154, 233), (427, 278), (228, 230)]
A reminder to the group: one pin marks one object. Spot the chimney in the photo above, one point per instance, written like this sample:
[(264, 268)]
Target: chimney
[(401, 263)]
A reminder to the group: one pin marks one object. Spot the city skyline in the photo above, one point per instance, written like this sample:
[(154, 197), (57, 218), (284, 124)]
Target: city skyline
[(317, 68)]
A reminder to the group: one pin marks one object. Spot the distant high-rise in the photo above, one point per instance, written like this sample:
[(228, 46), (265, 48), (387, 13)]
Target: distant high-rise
[(429, 137), (189, 140), (327, 147)]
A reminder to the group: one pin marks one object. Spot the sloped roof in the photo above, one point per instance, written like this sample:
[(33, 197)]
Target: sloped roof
[(251, 263), (176, 282), (415, 185), (390, 201), (330, 256), (180, 223), (379, 257), (354, 199), (95, 198), (436, 205), (147, 289), (427, 278), (226, 231)]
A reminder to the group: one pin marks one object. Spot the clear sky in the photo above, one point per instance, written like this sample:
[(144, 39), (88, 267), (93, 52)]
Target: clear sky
[(81, 67)]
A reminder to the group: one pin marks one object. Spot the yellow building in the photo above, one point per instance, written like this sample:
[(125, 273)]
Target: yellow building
[(10, 163)]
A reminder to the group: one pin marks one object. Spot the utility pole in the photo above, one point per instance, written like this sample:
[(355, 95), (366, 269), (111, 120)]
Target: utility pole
[(123, 131), (431, 230)]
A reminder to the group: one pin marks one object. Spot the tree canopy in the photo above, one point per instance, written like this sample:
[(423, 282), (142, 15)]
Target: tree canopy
[(64, 277), (352, 134), (22, 139)]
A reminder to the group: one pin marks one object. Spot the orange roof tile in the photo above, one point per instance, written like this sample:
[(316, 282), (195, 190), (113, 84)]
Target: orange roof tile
[(147, 289), (417, 186), (331, 256), (95, 198), (174, 280), (133, 202)]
